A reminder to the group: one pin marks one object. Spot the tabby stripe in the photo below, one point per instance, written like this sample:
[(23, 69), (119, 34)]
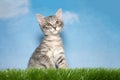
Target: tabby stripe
[(44, 51), (61, 53), (43, 65), (47, 40), (60, 60)]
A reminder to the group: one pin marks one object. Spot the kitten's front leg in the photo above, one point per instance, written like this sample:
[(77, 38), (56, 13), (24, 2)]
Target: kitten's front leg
[(61, 61)]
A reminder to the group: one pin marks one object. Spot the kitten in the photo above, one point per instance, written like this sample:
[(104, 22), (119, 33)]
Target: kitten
[(50, 53)]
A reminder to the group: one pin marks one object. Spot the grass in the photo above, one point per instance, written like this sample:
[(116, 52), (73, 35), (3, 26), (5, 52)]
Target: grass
[(60, 74)]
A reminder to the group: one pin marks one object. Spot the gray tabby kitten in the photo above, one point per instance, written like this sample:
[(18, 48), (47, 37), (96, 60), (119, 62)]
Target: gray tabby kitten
[(50, 53)]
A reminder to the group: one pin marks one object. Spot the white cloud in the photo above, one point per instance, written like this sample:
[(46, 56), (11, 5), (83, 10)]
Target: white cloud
[(70, 17), (12, 8)]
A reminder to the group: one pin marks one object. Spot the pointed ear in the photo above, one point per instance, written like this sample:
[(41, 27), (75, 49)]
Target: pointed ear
[(59, 14), (40, 19)]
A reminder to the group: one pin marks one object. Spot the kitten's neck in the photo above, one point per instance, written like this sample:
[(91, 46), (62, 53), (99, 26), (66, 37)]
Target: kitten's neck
[(53, 37)]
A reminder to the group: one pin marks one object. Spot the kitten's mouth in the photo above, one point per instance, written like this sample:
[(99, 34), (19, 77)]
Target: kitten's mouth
[(55, 32)]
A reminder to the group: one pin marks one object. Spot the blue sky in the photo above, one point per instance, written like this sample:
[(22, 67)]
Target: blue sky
[(90, 34)]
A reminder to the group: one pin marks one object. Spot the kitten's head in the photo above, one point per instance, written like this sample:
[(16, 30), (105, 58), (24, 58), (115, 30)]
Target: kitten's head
[(51, 25)]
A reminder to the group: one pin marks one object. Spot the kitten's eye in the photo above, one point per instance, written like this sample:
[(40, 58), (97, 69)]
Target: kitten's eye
[(61, 24), (57, 22), (49, 24), (43, 26)]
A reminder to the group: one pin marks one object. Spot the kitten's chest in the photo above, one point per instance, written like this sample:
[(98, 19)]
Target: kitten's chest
[(55, 49), (53, 45)]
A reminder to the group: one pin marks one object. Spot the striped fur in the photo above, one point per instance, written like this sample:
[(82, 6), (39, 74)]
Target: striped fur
[(50, 53)]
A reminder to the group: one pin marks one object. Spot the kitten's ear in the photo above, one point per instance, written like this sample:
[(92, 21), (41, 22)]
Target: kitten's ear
[(40, 19), (59, 14)]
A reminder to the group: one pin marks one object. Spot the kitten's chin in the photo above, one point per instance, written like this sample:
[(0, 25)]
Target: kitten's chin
[(56, 32), (53, 33)]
